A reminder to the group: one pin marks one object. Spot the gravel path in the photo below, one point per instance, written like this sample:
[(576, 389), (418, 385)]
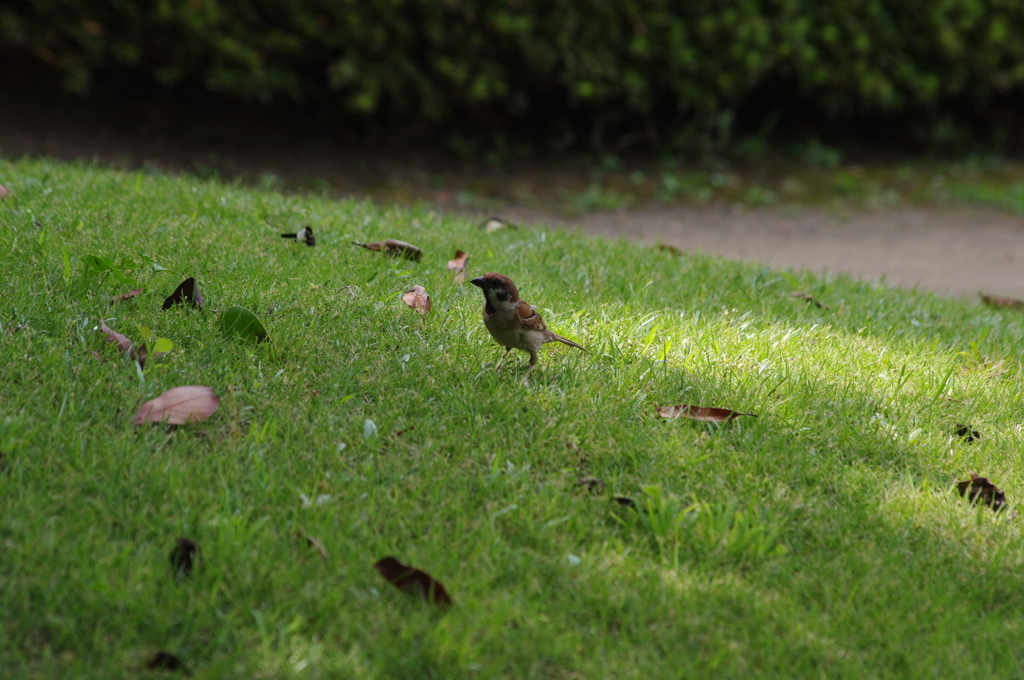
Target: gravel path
[(955, 251)]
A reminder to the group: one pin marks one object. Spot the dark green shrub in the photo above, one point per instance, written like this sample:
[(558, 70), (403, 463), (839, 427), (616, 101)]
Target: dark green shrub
[(442, 60)]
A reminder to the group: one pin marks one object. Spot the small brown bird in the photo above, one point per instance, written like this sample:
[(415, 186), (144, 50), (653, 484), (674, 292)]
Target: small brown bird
[(513, 323)]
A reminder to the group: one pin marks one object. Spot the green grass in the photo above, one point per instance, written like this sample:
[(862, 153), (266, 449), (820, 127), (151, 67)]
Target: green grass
[(820, 539)]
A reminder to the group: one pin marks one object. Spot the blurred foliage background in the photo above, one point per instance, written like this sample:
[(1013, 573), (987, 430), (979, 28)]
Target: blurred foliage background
[(683, 76)]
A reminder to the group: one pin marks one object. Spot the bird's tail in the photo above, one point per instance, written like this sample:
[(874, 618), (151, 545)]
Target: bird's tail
[(567, 341)]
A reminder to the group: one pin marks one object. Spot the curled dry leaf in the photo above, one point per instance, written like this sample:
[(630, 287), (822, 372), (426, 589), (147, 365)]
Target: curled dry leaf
[(394, 248), (412, 581), (492, 224), (187, 292), (671, 249), (704, 414), (980, 489), (165, 661), (318, 545), (122, 341), (590, 483), (4, 192), (401, 432), (626, 502), (418, 299), (1002, 302), (183, 556), (967, 433), (124, 344), (189, 403), (808, 298), (126, 296), (458, 265)]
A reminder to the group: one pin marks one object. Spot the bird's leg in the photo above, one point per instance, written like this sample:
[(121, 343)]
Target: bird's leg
[(502, 359), (533, 364)]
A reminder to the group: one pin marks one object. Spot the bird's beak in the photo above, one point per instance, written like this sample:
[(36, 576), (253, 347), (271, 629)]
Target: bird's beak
[(478, 282)]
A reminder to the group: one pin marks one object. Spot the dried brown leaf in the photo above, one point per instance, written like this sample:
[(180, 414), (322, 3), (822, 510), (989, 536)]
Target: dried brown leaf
[(401, 432), (418, 299), (122, 341), (980, 489), (189, 403), (705, 414), (124, 344), (591, 483), (319, 548), (1002, 302), (394, 248), (412, 581), (967, 433), (808, 298), (98, 357), (165, 661), (187, 292), (670, 249), (183, 556), (458, 265), (126, 296), (626, 502), (4, 192)]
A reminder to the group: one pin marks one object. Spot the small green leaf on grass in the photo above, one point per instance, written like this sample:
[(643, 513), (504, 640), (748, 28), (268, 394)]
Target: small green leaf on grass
[(186, 292), (162, 346), (179, 405), (151, 263), (704, 414), (183, 556), (240, 322), (412, 581)]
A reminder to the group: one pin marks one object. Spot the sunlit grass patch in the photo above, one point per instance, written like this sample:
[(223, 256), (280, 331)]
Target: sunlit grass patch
[(819, 536)]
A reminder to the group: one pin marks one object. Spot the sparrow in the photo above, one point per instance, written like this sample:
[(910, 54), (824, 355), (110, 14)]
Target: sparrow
[(512, 322), (304, 235)]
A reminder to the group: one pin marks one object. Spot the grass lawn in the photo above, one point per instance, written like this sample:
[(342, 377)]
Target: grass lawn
[(822, 538)]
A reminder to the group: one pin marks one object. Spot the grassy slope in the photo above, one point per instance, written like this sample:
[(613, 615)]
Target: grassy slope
[(883, 571)]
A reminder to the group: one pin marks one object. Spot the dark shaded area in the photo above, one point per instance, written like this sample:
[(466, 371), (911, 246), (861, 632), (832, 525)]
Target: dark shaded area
[(126, 119)]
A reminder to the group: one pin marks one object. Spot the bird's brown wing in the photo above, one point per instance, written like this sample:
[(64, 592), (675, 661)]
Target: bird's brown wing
[(529, 319)]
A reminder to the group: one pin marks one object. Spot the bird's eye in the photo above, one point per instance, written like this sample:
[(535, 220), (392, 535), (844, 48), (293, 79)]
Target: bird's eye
[(501, 294)]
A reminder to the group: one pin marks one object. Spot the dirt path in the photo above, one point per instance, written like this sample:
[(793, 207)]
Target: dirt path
[(959, 251)]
